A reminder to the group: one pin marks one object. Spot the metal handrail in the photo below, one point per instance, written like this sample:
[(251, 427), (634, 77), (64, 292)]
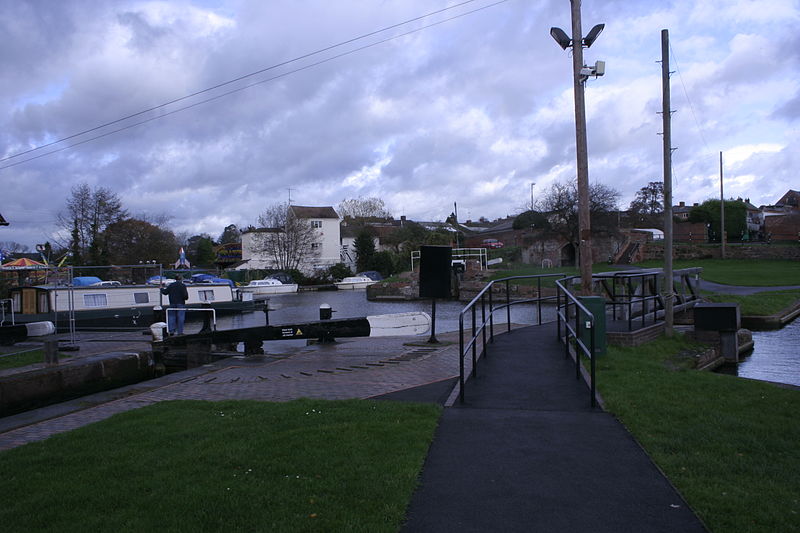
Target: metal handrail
[(480, 328), (573, 333)]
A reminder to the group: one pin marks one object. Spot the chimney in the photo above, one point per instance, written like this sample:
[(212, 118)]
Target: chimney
[(695, 204), (681, 204)]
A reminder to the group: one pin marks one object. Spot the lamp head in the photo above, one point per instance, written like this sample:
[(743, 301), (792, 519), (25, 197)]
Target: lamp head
[(593, 34), (561, 37)]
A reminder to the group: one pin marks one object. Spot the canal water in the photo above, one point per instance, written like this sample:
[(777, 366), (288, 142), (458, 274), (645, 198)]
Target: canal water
[(775, 356)]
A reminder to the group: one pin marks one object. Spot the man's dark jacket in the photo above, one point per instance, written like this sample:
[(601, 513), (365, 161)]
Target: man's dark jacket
[(177, 292)]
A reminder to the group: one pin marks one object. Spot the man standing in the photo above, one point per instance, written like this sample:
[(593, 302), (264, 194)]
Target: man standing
[(177, 299)]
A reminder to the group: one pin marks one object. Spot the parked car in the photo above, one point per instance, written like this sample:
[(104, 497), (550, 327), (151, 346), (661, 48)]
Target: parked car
[(492, 243)]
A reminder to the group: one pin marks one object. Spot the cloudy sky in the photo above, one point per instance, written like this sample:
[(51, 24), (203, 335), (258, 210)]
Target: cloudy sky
[(470, 110)]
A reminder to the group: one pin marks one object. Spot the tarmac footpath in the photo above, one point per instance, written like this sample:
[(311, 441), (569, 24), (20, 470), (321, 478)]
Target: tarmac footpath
[(527, 452)]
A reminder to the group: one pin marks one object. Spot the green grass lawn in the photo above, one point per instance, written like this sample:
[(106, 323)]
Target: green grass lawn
[(730, 446), (747, 272), (759, 304), (305, 465)]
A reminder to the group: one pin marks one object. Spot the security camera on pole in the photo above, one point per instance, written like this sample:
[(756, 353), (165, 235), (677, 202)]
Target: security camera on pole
[(581, 73)]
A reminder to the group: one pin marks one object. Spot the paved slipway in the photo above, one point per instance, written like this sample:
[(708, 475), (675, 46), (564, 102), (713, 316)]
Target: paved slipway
[(525, 452)]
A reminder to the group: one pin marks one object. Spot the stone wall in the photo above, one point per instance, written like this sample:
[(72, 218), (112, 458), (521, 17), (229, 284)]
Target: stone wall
[(732, 251)]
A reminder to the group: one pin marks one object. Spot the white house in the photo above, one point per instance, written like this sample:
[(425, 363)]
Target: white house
[(325, 248)]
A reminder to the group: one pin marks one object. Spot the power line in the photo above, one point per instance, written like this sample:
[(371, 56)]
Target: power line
[(240, 78), (686, 93)]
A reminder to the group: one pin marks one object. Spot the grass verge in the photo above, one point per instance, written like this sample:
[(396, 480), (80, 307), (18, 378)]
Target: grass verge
[(759, 304), (747, 272), (728, 444), (24, 359), (305, 465)]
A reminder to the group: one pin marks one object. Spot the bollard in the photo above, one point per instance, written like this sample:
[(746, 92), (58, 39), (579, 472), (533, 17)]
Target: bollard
[(325, 313), (159, 314), (50, 353), (266, 312)]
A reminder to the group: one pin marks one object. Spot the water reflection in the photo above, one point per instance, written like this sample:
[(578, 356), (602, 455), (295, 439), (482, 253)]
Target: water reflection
[(775, 356)]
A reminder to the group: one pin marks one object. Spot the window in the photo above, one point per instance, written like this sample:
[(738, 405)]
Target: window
[(206, 296), (316, 223), (95, 300), (316, 245), (141, 298)]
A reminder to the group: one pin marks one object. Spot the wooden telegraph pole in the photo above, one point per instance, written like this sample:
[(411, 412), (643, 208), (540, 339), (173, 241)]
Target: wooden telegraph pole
[(666, 117), (584, 225)]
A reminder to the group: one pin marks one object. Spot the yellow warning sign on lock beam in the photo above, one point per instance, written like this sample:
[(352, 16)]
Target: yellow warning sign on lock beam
[(298, 332)]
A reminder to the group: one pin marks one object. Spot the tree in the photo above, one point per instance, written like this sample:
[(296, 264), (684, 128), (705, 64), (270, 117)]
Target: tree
[(531, 219), (89, 212), (361, 208), (561, 205), (365, 249), (131, 241), (709, 213), (288, 241), (200, 250), (647, 209), (230, 234)]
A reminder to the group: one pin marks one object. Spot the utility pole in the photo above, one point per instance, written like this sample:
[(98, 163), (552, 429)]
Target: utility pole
[(666, 117), (584, 225), (721, 209)]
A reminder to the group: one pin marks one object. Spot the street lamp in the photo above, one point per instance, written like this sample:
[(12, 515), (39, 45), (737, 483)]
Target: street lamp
[(581, 73)]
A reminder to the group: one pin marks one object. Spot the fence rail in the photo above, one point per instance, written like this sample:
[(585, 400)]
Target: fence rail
[(584, 320)]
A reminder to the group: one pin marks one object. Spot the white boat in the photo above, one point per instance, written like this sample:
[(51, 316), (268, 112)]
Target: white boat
[(354, 282), (261, 288)]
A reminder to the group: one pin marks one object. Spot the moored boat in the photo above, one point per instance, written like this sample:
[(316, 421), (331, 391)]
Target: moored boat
[(101, 307), (261, 288), (354, 282)]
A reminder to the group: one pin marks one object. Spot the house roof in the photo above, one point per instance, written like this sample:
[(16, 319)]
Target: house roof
[(301, 211)]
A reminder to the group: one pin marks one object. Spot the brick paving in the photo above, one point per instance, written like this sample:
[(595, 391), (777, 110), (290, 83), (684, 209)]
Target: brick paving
[(353, 368)]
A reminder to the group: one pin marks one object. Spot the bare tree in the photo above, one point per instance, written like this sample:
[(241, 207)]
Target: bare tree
[(288, 240), (560, 204), (363, 208), (89, 213)]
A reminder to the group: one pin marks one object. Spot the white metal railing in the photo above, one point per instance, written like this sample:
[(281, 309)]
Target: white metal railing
[(460, 254)]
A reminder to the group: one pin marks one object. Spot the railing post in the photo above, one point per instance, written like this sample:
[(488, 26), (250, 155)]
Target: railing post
[(491, 313), (592, 365), (539, 300), (577, 342), (461, 357), (474, 346), (483, 328), (508, 307)]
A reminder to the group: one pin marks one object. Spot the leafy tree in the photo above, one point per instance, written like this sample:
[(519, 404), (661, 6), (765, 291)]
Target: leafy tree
[(289, 239), (709, 213), (361, 208), (365, 249), (230, 234), (130, 241), (383, 262), (200, 250), (339, 271), (89, 212), (647, 209), (531, 219), (561, 205)]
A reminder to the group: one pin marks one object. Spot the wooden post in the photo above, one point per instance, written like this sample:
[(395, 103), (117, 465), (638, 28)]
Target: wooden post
[(50, 353)]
